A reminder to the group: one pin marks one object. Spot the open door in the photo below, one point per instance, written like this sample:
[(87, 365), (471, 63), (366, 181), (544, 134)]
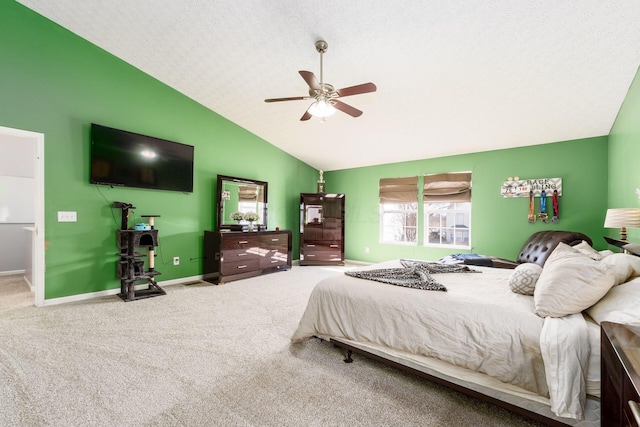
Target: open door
[(37, 252)]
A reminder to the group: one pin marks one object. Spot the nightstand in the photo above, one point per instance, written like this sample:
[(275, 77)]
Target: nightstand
[(620, 374)]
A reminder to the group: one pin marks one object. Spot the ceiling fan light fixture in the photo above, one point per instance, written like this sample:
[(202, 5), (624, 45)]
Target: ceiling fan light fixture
[(322, 108)]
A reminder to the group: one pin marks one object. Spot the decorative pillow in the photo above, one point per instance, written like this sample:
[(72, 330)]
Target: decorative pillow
[(625, 266), (570, 282), (586, 249), (524, 277), (621, 304)]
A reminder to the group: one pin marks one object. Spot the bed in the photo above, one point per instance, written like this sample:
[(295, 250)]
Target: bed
[(537, 354)]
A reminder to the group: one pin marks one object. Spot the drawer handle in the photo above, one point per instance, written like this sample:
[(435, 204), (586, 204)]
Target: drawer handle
[(242, 254), (273, 261), (241, 266), (635, 410), (275, 240), (333, 246), (310, 255), (311, 246), (243, 242)]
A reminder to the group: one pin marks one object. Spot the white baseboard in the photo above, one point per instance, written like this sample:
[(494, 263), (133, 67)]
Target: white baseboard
[(363, 263), (11, 273), (28, 283), (108, 292)]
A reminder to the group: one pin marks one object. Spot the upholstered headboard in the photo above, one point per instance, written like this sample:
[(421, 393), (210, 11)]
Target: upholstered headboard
[(540, 244)]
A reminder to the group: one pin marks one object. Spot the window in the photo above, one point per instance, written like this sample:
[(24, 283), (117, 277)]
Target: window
[(447, 210), (399, 210)]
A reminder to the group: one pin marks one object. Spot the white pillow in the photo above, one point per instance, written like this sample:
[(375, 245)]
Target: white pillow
[(570, 283), (621, 304), (586, 249), (524, 277), (606, 253), (625, 266)]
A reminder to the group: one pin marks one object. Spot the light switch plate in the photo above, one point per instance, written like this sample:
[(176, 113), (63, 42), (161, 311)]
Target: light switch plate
[(67, 216)]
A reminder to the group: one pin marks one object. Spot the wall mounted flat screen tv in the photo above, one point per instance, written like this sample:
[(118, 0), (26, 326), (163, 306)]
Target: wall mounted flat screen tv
[(127, 159)]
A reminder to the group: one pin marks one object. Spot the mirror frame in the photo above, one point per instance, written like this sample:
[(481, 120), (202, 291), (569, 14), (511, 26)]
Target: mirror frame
[(220, 205)]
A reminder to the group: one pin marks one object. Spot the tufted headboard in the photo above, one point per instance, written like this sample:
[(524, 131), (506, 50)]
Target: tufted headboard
[(540, 244)]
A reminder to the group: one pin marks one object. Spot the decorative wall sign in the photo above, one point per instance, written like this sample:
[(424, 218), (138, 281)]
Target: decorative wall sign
[(522, 187)]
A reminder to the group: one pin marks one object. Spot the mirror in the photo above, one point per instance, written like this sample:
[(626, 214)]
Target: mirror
[(244, 196)]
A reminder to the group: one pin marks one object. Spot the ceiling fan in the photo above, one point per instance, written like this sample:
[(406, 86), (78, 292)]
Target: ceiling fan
[(325, 97)]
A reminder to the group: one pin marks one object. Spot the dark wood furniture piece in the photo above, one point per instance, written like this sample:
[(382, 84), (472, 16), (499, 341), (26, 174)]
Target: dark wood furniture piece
[(620, 375), (232, 255), (321, 229)]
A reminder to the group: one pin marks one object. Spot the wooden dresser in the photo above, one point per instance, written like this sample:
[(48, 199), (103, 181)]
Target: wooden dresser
[(321, 229), (620, 375), (237, 255)]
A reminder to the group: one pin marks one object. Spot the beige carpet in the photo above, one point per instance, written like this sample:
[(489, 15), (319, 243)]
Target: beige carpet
[(205, 355)]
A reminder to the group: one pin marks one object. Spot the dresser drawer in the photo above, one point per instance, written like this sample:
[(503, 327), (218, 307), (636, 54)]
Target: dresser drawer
[(321, 252), (321, 245), (274, 259), (275, 241), (231, 255), (240, 242), (237, 267), (630, 402)]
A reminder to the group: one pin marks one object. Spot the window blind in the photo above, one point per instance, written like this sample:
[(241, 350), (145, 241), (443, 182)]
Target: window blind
[(447, 187), (399, 190), (248, 193)]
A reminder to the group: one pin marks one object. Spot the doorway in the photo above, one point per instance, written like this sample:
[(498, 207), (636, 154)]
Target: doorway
[(11, 141)]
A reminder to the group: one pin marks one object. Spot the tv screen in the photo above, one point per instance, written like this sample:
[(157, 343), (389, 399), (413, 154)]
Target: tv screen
[(127, 159)]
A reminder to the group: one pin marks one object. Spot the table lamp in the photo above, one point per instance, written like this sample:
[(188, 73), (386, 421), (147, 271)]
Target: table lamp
[(622, 218)]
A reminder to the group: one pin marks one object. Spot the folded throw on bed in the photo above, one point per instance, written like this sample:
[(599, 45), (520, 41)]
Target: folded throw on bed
[(415, 274)]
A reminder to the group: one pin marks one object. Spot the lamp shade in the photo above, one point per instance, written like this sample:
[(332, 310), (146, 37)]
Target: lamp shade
[(622, 217)]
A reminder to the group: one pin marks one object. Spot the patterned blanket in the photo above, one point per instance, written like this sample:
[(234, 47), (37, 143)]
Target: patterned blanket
[(414, 274)]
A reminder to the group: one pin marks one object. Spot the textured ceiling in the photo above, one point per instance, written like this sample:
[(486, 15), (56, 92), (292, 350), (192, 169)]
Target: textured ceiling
[(453, 76)]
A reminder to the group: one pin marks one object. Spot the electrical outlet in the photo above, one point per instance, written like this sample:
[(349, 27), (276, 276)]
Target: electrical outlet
[(67, 216), (176, 260), (366, 250)]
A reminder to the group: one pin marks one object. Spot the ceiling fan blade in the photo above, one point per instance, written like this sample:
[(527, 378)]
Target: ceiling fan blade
[(358, 89), (354, 112), (293, 98), (311, 79), (305, 116)]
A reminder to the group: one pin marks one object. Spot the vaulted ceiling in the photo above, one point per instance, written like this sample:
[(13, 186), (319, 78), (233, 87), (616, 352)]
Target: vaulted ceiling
[(453, 76)]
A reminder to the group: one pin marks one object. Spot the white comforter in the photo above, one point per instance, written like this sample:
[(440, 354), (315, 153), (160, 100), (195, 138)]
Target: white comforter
[(478, 324)]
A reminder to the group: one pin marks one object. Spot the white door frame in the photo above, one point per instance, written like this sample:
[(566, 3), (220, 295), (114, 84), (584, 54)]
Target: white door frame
[(38, 249)]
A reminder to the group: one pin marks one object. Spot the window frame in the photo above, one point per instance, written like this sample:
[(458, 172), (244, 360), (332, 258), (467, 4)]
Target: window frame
[(399, 210), (429, 208), (398, 196), (444, 194)]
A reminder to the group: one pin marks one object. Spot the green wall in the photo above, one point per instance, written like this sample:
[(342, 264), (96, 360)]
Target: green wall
[(499, 225), (624, 156), (56, 83)]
